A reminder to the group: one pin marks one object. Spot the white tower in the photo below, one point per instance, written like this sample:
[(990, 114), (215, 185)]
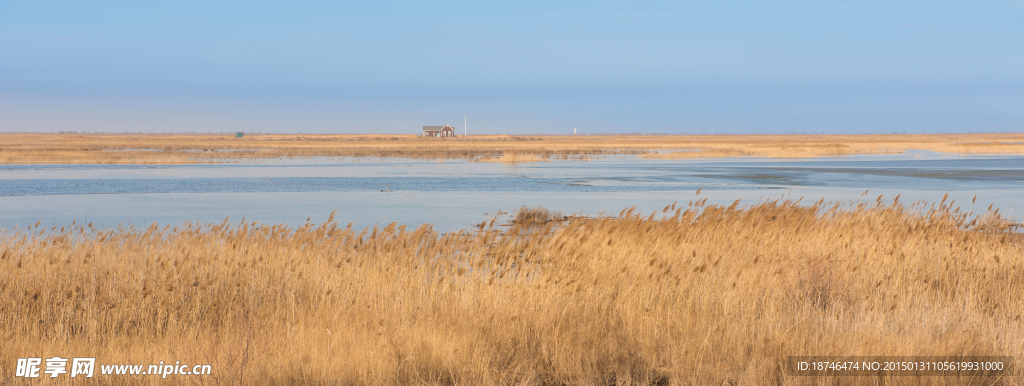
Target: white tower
[(465, 130)]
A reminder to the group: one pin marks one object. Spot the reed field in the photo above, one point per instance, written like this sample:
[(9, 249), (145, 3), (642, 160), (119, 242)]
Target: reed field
[(184, 148), (691, 295)]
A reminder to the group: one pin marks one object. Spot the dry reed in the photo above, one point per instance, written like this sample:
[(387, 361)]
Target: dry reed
[(535, 216), (173, 149), (512, 158), (693, 295)]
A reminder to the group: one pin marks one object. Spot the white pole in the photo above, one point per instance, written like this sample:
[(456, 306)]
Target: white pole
[(465, 130)]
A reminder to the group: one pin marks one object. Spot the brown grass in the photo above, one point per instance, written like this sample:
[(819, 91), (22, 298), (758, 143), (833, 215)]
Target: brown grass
[(692, 295), (170, 149), (539, 215), (512, 158), (770, 150)]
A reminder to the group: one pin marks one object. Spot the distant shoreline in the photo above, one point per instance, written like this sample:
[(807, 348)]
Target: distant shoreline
[(51, 148)]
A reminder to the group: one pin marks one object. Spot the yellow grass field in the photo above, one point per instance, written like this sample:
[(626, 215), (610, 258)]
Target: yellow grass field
[(177, 149), (691, 295)]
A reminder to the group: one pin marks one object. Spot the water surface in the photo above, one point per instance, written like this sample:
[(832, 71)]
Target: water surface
[(458, 194)]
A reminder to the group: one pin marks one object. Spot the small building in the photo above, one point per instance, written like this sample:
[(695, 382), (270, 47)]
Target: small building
[(438, 131), (239, 134)]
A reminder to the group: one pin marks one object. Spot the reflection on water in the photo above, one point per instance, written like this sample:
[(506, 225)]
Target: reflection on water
[(456, 194)]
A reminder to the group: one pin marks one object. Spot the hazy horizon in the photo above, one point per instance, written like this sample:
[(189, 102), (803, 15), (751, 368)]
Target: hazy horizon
[(513, 68)]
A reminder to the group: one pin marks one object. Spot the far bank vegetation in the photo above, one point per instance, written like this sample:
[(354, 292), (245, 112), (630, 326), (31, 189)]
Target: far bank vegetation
[(177, 149)]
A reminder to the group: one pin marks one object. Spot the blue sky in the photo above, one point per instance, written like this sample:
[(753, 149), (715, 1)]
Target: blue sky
[(513, 67)]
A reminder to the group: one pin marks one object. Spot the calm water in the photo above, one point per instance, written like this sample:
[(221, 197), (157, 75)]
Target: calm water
[(457, 194)]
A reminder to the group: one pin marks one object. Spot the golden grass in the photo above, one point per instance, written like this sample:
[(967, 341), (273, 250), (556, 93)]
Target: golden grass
[(535, 216), (171, 149), (512, 158), (769, 151), (694, 295)]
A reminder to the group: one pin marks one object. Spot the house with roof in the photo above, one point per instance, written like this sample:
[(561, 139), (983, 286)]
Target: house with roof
[(438, 131)]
